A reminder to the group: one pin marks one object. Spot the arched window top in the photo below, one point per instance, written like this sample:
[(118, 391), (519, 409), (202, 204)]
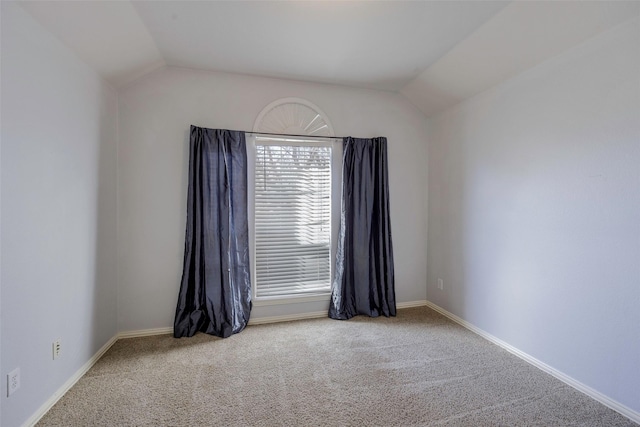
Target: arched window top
[(293, 116)]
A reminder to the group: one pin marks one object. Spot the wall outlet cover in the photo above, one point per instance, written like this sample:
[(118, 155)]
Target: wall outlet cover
[(13, 381), (57, 348)]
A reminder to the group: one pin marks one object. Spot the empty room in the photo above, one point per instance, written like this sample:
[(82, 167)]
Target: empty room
[(320, 213)]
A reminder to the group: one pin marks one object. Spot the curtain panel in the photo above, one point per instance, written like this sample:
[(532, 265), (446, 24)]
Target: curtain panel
[(364, 280), (215, 291)]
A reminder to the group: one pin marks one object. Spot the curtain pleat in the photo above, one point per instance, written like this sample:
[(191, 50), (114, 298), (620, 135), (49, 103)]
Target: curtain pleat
[(215, 291), (364, 279)]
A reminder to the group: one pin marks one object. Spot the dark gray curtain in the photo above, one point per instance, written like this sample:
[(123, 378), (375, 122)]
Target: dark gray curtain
[(215, 293), (364, 279)]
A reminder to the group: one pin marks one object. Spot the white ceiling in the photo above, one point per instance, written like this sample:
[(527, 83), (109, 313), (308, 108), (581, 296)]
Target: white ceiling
[(108, 35), (381, 45), (436, 53), (517, 38)]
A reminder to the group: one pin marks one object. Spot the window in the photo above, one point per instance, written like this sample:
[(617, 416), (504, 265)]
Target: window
[(294, 214)]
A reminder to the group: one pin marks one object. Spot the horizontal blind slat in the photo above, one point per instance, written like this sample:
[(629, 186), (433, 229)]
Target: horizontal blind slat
[(292, 219)]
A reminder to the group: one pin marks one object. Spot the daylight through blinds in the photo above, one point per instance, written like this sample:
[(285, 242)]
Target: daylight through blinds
[(292, 220)]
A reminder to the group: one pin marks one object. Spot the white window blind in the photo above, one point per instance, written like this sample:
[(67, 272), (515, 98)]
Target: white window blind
[(292, 223)]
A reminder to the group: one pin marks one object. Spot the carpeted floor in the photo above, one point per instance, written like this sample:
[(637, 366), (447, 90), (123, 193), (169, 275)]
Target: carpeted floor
[(418, 369)]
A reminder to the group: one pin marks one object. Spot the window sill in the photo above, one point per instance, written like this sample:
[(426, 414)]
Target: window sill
[(291, 300)]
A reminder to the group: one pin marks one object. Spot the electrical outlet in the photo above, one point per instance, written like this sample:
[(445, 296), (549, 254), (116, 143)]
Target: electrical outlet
[(440, 284), (57, 348), (13, 381)]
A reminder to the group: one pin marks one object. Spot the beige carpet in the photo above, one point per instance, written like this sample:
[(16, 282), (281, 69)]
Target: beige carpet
[(418, 369)]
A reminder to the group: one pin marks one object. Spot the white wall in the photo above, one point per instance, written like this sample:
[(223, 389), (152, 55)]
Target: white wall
[(59, 130), (534, 212), (155, 114)]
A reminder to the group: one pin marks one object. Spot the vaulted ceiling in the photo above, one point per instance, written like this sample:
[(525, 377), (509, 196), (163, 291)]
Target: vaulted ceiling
[(436, 53)]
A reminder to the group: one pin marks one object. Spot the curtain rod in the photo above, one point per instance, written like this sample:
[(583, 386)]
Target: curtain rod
[(296, 136)]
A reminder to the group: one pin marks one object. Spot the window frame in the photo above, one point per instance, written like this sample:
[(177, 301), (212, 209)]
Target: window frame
[(336, 189)]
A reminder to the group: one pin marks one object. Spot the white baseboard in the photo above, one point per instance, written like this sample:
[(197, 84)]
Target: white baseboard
[(594, 394), (83, 370), (145, 332), (319, 314), (411, 304), (68, 384), (260, 320), (287, 317)]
